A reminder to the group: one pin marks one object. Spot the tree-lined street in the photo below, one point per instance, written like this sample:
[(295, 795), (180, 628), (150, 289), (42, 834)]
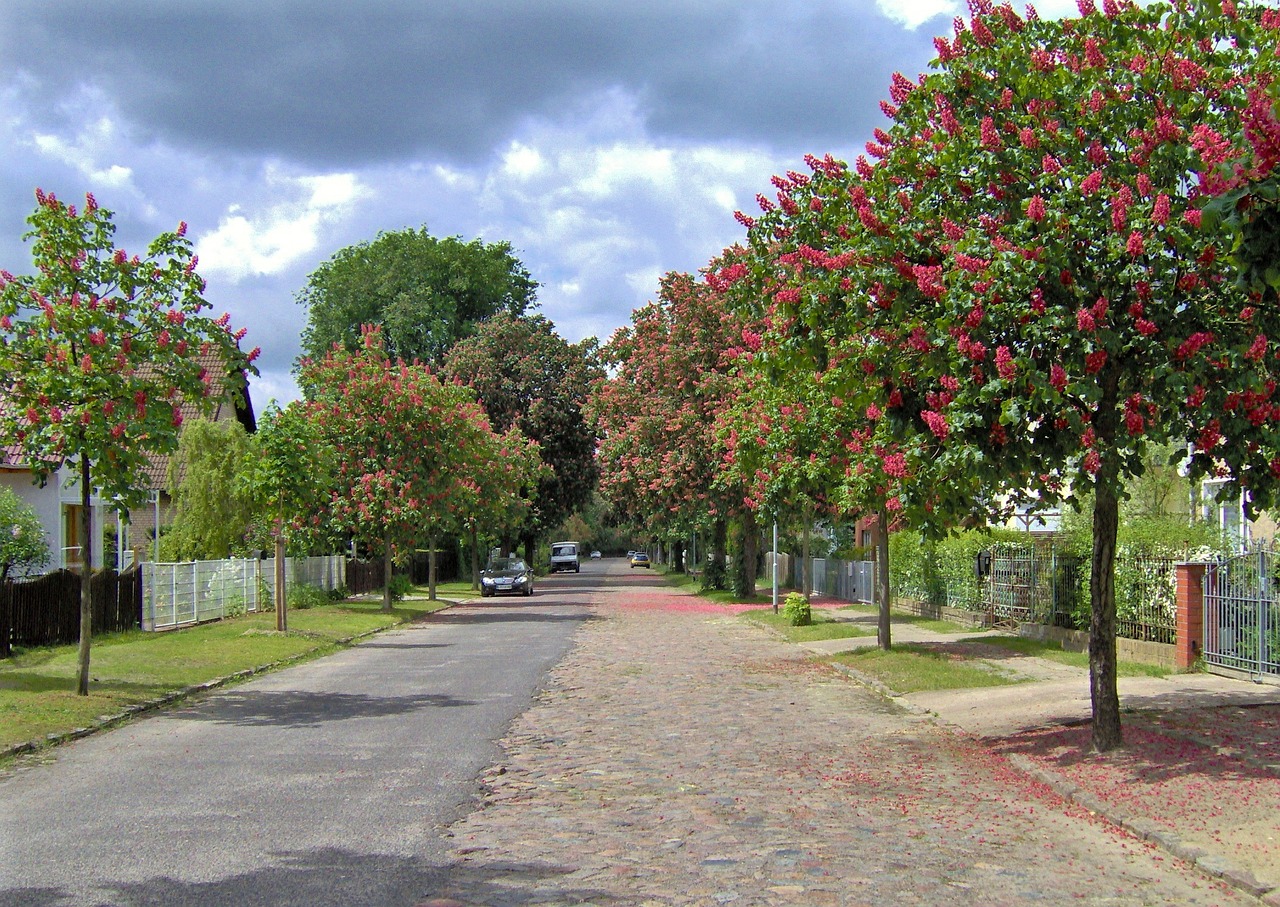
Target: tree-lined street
[(612, 740), (328, 783)]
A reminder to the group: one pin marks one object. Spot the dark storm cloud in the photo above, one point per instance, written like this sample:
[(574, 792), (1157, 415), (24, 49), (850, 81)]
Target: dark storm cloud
[(347, 83)]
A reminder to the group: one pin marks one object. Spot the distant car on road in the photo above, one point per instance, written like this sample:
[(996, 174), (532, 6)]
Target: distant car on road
[(506, 574), (639, 559), (595, 555), (564, 556)]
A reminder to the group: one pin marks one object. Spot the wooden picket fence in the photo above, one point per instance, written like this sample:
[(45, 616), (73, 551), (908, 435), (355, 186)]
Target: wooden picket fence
[(45, 611)]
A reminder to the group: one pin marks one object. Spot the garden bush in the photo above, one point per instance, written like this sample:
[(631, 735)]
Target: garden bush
[(796, 609)]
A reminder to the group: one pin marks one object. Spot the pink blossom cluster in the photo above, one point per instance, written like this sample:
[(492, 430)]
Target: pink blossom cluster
[(937, 423)]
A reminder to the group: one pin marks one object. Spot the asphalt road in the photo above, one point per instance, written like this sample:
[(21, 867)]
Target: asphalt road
[(327, 783)]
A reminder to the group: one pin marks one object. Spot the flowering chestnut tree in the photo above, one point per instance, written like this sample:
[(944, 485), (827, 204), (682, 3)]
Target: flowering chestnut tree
[(101, 349), (657, 415), (406, 443), (1243, 192), (1029, 243)]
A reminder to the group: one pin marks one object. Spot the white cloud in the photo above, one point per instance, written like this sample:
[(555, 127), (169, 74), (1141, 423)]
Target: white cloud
[(914, 13), (522, 161), (276, 237), (84, 151), (623, 165)]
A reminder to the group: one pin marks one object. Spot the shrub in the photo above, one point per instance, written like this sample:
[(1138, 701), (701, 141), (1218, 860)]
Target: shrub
[(796, 609), (339, 593), (400, 586), (303, 596)]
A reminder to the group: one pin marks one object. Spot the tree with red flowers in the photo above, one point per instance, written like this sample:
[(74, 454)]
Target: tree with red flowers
[(101, 349), (1244, 195), (406, 444), (673, 376), (1028, 242)]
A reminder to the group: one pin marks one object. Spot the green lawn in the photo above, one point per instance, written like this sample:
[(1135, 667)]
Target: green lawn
[(925, 623), (37, 686), (912, 669), (1056, 653), (823, 627)]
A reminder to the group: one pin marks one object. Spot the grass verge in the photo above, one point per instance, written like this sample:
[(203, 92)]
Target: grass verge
[(924, 623), (38, 686), (823, 627), (913, 669), (1051, 652)]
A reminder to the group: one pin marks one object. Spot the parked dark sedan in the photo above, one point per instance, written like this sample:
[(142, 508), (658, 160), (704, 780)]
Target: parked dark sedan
[(506, 574)]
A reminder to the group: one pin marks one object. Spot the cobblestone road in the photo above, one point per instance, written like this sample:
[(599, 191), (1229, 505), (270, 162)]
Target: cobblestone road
[(684, 757)]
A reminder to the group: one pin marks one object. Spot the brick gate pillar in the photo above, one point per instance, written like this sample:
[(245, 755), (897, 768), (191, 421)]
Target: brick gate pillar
[(1190, 614)]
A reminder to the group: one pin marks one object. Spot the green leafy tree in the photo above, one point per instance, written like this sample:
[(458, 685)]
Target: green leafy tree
[(528, 377), (496, 495), (212, 514), (1028, 248), (425, 293), (23, 546), (101, 348), (288, 472)]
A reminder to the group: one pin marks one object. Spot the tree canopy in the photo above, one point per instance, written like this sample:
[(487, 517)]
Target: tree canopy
[(1025, 265), (527, 376), (102, 349), (212, 513), (424, 293)]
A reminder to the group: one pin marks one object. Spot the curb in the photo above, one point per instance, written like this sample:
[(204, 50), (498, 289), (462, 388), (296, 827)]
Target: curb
[(1168, 840), (105, 722), (1162, 836)]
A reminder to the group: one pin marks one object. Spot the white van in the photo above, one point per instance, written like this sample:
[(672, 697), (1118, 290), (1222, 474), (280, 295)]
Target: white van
[(564, 556)]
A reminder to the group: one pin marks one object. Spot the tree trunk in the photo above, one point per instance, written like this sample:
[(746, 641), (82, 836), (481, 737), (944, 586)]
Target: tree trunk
[(387, 567), (282, 599), (750, 553), (1102, 621), (431, 567), (86, 574), (806, 565), (677, 555), (883, 636), (475, 560), (719, 553)]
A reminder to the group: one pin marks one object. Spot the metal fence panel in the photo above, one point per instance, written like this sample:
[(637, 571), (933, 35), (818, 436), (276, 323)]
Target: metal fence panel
[(197, 591), (1242, 613)]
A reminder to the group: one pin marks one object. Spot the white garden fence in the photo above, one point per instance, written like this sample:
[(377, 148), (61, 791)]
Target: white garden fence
[(197, 591)]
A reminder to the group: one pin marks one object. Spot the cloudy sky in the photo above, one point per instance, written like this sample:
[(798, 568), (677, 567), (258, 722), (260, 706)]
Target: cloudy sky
[(607, 142)]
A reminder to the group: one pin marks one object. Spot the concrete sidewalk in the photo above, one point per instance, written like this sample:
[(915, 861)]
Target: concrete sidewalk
[(1199, 774), (1052, 694)]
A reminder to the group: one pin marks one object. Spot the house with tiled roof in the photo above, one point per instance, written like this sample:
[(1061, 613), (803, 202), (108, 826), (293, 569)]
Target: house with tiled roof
[(231, 392), (57, 501), (57, 504)]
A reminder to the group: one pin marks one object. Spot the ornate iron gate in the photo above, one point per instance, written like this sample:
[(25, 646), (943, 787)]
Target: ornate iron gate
[(1242, 613)]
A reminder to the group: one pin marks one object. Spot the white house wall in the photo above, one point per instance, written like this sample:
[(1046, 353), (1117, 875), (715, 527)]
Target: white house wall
[(47, 503)]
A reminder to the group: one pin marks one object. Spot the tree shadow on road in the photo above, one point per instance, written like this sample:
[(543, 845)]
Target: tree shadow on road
[(297, 708), (334, 876)]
